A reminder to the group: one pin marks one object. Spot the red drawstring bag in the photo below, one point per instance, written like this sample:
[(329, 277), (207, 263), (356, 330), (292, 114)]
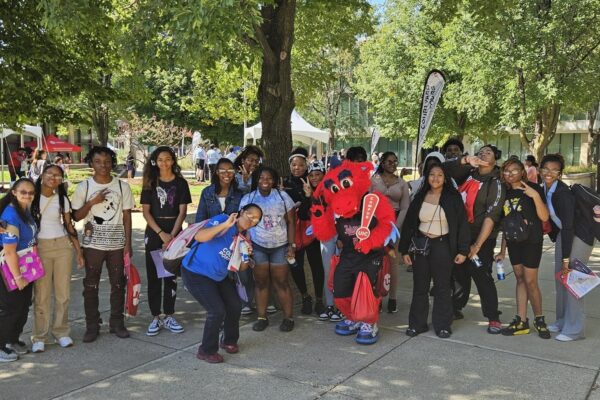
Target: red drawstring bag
[(335, 260), (546, 227), (134, 287), (301, 238), (384, 277), (364, 305)]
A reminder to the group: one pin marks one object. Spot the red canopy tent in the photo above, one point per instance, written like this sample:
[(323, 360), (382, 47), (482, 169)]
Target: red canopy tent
[(52, 144)]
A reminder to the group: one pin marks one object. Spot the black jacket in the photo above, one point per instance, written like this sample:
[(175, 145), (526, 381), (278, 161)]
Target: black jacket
[(586, 228), (563, 202), (295, 188), (459, 233)]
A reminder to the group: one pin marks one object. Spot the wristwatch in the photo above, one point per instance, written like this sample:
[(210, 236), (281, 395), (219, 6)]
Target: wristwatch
[(293, 245)]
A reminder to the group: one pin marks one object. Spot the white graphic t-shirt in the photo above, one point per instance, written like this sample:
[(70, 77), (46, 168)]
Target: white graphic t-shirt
[(103, 226), (271, 231)]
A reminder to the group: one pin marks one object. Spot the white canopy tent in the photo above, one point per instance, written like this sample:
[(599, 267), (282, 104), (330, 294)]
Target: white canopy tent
[(302, 131), (27, 130)]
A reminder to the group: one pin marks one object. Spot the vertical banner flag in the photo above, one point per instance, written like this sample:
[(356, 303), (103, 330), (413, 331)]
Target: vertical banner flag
[(431, 95), (374, 139)]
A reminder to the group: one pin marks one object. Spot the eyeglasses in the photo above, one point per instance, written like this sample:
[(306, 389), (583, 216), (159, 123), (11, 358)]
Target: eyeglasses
[(550, 171), (54, 176), (26, 192), (513, 172), (254, 220), (226, 171)]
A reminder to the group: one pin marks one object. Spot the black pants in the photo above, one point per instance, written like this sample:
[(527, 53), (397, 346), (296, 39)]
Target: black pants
[(116, 275), (482, 276), (160, 290), (436, 265), (222, 305), (14, 308), (313, 253)]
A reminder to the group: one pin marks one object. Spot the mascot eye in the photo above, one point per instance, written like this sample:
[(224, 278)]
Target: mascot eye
[(335, 188), (346, 183)]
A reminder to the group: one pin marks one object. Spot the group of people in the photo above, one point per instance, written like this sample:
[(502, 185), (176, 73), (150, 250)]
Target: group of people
[(449, 221), (205, 158), (26, 162)]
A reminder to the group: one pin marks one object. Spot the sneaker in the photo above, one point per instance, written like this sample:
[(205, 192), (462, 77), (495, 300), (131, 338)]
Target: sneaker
[(347, 327), (38, 347), (8, 355), (540, 326), (271, 309), (412, 332), (564, 338), (154, 327), (324, 316), (64, 342), (368, 334), (335, 315), (494, 327), (260, 325), (306, 305), (392, 306), (554, 328), (209, 358), (172, 325), (444, 333), (287, 325), (20, 347), (516, 327), (247, 310), (320, 308)]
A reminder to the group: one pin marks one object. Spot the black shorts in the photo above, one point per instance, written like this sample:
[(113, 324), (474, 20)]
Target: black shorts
[(200, 164), (527, 254)]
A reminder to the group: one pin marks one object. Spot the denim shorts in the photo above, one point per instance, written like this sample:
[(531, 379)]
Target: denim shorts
[(274, 256)]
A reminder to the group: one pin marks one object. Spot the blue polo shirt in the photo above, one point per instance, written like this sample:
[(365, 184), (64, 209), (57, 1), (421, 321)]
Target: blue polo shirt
[(18, 231), (211, 258)]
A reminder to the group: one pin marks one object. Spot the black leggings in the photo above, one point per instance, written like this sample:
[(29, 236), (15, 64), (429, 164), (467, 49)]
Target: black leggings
[(14, 308), (313, 252), (160, 290)]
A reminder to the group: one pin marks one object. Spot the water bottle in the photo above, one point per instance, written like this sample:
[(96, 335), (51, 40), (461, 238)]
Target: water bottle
[(477, 261), (292, 262), (500, 270)]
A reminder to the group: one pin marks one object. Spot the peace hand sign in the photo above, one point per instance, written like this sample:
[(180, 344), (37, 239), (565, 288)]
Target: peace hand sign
[(245, 173), (307, 188)]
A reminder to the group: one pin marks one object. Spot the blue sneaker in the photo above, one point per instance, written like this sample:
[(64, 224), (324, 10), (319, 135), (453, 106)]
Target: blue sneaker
[(368, 334), (347, 327)]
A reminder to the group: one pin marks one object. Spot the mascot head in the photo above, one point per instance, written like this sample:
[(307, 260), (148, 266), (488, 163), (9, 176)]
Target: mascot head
[(344, 187)]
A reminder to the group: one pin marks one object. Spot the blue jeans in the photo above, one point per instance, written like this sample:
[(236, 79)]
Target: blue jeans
[(222, 305)]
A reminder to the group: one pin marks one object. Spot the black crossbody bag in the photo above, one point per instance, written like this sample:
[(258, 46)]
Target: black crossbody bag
[(419, 243)]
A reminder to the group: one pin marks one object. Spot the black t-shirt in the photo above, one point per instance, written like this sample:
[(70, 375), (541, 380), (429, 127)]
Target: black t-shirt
[(527, 209), (167, 197)]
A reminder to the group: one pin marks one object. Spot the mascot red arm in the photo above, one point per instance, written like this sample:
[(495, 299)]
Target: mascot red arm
[(340, 194)]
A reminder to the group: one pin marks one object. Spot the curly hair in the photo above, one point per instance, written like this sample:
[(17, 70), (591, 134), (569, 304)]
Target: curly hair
[(246, 151), (553, 158), (260, 170)]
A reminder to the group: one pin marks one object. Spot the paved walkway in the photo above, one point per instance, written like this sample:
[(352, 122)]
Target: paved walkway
[(312, 362)]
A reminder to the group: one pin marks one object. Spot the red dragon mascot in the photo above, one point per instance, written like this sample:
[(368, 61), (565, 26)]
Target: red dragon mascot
[(338, 210)]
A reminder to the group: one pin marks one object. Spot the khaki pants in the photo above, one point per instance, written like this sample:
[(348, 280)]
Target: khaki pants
[(57, 259)]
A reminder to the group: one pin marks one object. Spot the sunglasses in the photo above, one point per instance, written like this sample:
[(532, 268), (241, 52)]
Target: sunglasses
[(513, 172), (550, 171), (26, 192)]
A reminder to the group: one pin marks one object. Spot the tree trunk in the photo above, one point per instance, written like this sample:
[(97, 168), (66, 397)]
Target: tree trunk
[(545, 130), (100, 113), (592, 136), (275, 94)]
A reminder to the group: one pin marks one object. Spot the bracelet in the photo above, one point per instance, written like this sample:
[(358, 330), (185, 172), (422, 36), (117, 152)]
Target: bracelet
[(566, 259), (159, 232)]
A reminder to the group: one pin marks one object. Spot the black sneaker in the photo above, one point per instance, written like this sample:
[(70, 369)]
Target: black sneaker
[(260, 325), (306, 305), (540, 326), (392, 306), (287, 325), (516, 327)]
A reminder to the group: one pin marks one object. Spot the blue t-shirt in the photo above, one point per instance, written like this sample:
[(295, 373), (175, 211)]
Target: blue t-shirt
[(18, 231), (211, 258)]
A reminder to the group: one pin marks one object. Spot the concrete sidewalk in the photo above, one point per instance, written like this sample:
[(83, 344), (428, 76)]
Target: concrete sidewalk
[(312, 362)]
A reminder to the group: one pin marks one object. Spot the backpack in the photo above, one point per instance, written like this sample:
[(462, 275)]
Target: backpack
[(515, 228), (180, 246)]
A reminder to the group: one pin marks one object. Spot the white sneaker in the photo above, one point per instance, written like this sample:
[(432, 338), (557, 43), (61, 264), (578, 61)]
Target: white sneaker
[(154, 327), (65, 341), (247, 310), (38, 347), (172, 325), (554, 328), (8, 355), (271, 309), (564, 338)]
